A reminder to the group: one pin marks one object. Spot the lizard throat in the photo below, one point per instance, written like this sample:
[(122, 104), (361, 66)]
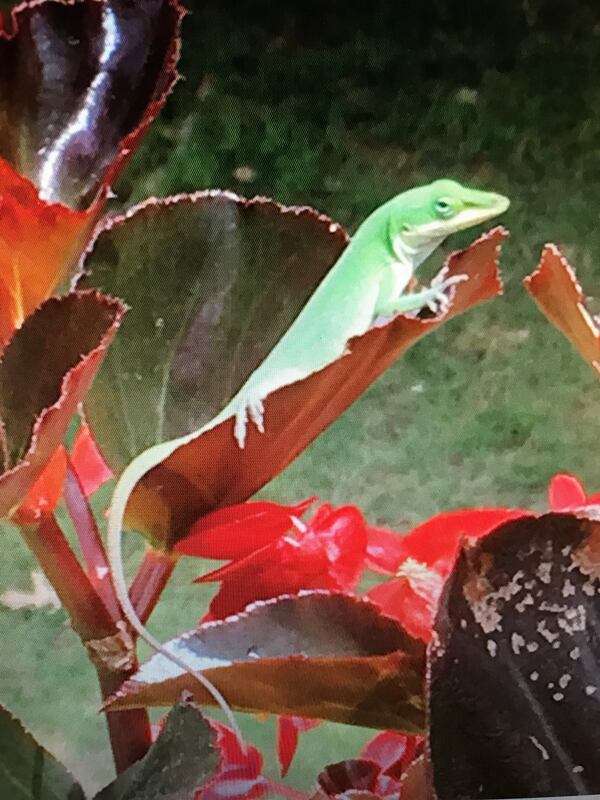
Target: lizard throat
[(415, 252)]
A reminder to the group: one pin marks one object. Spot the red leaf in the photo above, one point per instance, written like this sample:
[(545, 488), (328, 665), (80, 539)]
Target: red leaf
[(29, 226), (565, 492), (393, 752), (45, 494), (91, 468), (237, 531), (288, 730), (239, 774), (328, 555)]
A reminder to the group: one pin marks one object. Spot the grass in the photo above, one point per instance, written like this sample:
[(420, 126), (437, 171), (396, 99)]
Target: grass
[(341, 116)]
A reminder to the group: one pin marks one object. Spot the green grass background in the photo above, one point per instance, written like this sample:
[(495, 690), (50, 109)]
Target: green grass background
[(341, 106)]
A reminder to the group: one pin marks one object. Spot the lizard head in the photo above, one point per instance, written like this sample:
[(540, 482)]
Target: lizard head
[(422, 218)]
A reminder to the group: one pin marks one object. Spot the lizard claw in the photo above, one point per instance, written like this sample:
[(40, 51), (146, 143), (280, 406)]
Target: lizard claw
[(256, 409), (439, 301), (252, 407)]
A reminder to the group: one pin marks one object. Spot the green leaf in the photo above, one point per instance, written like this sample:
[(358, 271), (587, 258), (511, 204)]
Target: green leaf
[(27, 770), (316, 654), (180, 761), (212, 281)]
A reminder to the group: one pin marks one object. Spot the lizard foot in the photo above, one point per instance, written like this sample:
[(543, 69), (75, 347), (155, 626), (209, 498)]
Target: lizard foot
[(254, 408), (437, 300)]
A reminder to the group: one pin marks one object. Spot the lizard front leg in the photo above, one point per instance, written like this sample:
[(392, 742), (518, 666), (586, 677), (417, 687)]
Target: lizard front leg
[(433, 298)]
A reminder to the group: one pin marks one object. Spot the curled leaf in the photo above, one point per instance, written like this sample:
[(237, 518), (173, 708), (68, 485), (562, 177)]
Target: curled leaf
[(320, 655), (555, 289)]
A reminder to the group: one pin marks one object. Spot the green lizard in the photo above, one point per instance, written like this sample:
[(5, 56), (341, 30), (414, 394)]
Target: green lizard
[(368, 281)]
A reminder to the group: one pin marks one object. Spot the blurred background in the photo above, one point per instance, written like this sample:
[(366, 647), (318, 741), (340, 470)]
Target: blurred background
[(341, 105)]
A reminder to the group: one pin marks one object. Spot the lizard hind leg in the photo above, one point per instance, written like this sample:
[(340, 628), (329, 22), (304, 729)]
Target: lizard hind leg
[(249, 407)]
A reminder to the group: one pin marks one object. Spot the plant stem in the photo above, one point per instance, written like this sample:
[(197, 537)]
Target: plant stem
[(150, 580), (89, 616), (129, 731), (91, 544)]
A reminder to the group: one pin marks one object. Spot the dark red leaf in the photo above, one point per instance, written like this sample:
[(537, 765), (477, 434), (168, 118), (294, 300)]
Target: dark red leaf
[(316, 655), (237, 531), (288, 730), (45, 372), (513, 698), (79, 85)]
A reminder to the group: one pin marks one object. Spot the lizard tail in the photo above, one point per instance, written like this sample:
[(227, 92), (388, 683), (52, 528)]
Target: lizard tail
[(136, 470)]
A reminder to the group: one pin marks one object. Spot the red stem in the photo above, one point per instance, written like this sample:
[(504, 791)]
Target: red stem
[(129, 730), (89, 616), (150, 580), (91, 544)]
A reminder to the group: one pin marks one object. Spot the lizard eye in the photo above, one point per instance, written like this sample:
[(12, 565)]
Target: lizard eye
[(443, 208)]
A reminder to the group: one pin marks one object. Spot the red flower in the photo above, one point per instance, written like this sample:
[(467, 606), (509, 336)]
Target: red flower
[(565, 492), (422, 560), (393, 752), (328, 553), (236, 531), (288, 730), (357, 777), (239, 773)]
